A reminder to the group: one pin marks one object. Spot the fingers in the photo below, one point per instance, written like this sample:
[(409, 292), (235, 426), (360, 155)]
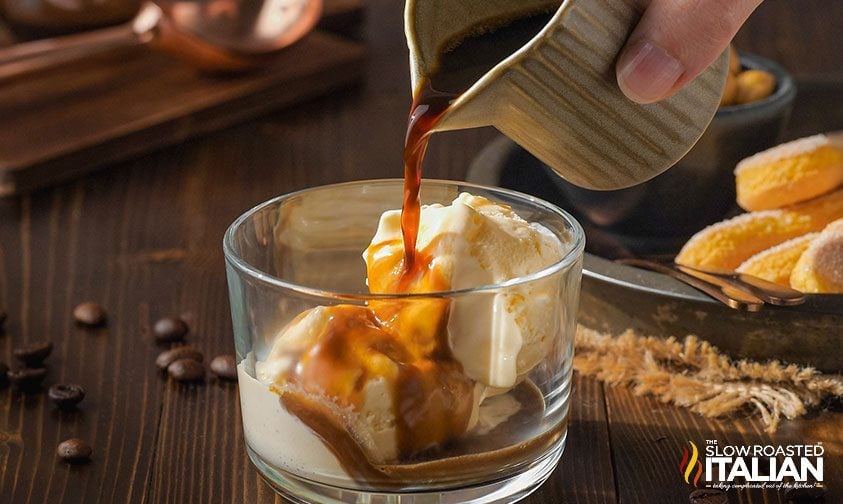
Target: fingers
[(675, 41)]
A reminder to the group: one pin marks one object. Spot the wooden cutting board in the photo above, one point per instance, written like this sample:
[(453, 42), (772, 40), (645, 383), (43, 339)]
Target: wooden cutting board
[(70, 120)]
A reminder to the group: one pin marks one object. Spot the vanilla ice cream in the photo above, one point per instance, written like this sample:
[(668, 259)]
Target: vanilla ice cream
[(500, 336), (373, 422), (407, 375), (351, 363), (270, 429)]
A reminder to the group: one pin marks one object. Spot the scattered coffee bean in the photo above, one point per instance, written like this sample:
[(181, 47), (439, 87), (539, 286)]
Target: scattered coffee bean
[(183, 352), (708, 496), (74, 450), (224, 367), (186, 370), (804, 495), (169, 329), (66, 396), (33, 355), (89, 314), (26, 379), (3, 370)]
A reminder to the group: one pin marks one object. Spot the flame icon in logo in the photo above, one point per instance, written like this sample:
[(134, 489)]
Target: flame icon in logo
[(690, 461)]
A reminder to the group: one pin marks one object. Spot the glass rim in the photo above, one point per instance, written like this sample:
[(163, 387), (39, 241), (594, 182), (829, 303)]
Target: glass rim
[(233, 258)]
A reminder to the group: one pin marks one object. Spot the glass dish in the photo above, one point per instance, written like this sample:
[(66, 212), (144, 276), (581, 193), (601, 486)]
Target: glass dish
[(290, 256)]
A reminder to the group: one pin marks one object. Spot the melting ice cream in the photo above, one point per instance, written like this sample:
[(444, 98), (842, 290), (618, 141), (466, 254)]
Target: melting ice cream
[(391, 381)]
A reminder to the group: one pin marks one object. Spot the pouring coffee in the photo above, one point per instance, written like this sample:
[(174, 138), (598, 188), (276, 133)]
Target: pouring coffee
[(543, 73)]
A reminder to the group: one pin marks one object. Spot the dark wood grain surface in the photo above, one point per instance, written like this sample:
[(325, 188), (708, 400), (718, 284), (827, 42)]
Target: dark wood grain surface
[(143, 238)]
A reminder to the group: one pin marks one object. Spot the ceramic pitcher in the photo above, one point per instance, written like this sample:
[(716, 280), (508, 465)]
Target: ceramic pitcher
[(557, 96)]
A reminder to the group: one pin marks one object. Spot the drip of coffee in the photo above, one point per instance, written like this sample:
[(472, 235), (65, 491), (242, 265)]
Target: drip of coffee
[(463, 62), (428, 107)]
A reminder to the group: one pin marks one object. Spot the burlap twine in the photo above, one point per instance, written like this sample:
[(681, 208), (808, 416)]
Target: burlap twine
[(693, 374)]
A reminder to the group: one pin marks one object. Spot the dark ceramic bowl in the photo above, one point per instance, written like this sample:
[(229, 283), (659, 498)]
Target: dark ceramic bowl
[(700, 188)]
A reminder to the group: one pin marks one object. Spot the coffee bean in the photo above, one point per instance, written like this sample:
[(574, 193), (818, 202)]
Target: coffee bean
[(169, 329), (66, 396), (183, 352), (27, 379), (805, 495), (89, 314), (3, 370), (33, 355), (708, 496), (74, 450), (224, 367), (186, 370)]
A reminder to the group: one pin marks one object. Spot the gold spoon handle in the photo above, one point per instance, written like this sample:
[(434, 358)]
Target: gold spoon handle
[(770, 292), (726, 294)]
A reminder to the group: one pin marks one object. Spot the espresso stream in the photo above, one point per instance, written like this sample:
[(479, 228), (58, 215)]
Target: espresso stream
[(461, 65), (433, 398)]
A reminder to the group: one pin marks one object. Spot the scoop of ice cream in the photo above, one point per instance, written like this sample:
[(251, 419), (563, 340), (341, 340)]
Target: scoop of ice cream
[(393, 395), (497, 336)]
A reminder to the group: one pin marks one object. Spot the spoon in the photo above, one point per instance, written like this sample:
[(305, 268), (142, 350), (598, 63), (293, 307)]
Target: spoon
[(771, 293), (729, 295), (213, 35)]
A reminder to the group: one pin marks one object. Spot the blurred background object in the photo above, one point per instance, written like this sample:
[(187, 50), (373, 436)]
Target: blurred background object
[(213, 35), (68, 119), (43, 18)]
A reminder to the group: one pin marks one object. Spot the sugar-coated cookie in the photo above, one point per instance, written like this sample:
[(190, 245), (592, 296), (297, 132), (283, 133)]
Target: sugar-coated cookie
[(820, 269), (776, 263), (789, 173), (729, 243)]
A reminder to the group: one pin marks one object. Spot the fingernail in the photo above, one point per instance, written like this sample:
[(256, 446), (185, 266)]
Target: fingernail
[(647, 73)]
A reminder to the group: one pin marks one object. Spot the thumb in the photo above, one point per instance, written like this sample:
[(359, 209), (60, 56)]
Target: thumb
[(674, 41)]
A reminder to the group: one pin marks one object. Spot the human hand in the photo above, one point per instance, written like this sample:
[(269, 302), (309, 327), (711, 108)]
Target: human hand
[(674, 41)]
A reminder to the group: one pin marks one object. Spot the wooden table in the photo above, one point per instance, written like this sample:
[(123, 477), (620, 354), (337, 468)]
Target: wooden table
[(144, 239)]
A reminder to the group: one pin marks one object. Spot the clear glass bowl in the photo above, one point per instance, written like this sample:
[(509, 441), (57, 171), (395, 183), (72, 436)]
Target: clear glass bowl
[(303, 250)]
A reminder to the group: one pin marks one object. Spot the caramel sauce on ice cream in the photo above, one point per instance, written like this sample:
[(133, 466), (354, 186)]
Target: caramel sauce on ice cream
[(432, 399)]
